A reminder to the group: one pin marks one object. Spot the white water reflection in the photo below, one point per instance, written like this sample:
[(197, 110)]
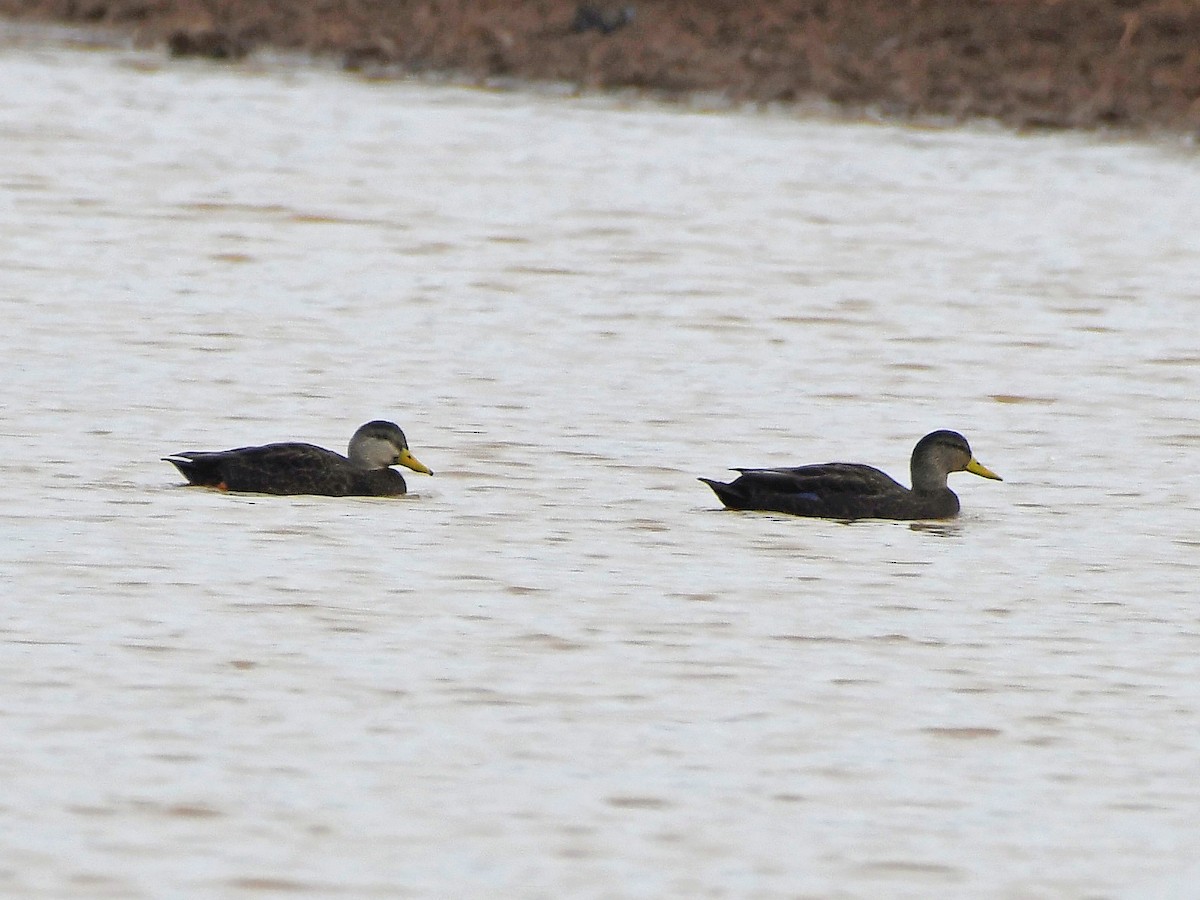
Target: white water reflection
[(560, 670)]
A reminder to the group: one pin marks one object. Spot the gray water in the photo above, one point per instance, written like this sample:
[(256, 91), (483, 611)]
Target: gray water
[(558, 669)]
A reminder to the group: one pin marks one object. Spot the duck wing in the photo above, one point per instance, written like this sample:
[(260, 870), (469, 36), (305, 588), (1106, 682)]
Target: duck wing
[(287, 468), (826, 479)]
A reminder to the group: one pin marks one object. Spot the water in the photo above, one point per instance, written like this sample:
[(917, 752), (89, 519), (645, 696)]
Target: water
[(559, 669)]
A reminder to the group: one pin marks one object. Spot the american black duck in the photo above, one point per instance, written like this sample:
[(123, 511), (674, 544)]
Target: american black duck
[(855, 491), (293, 468)]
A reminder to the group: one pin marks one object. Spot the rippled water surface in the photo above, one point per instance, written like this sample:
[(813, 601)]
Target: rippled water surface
[(559, 669)]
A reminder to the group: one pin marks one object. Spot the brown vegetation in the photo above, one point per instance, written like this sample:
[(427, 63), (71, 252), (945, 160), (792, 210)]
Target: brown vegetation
[(1047, 63)]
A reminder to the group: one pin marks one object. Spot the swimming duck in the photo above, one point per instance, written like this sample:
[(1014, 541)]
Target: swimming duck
[(293, 468), (855, 491)]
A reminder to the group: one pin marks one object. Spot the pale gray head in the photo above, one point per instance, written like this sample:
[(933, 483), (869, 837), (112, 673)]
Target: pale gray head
[(380, 444), (940, 453)]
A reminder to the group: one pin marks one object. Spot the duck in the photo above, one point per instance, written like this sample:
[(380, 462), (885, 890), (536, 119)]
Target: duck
[(850, 491), (298, 468)]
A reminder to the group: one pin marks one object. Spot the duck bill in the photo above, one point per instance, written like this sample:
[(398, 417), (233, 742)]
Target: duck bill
[(411, 462), (978, 468)]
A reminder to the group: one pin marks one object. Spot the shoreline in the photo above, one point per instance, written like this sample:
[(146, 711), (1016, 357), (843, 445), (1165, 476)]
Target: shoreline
[(1109, 65)]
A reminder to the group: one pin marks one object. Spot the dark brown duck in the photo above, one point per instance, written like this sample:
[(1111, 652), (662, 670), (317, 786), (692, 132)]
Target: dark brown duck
[(856, 491), (296, 468)]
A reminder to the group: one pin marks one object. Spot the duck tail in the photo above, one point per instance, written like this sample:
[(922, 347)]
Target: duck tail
[(192, 467), (728, 494)]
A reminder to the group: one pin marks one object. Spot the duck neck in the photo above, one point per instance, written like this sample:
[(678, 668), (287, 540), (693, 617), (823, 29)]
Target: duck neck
[(927, 479)]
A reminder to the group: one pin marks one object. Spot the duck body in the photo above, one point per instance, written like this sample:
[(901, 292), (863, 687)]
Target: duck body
[(833, 491), (298, 468), (287, 468), (855, 491)]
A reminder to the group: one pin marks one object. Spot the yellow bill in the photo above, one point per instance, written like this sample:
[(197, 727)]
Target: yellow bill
[(978, 468), (409, 461)]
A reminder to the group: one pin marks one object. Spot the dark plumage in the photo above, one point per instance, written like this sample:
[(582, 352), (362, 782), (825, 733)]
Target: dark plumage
[(293, 468), (855, 491)]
